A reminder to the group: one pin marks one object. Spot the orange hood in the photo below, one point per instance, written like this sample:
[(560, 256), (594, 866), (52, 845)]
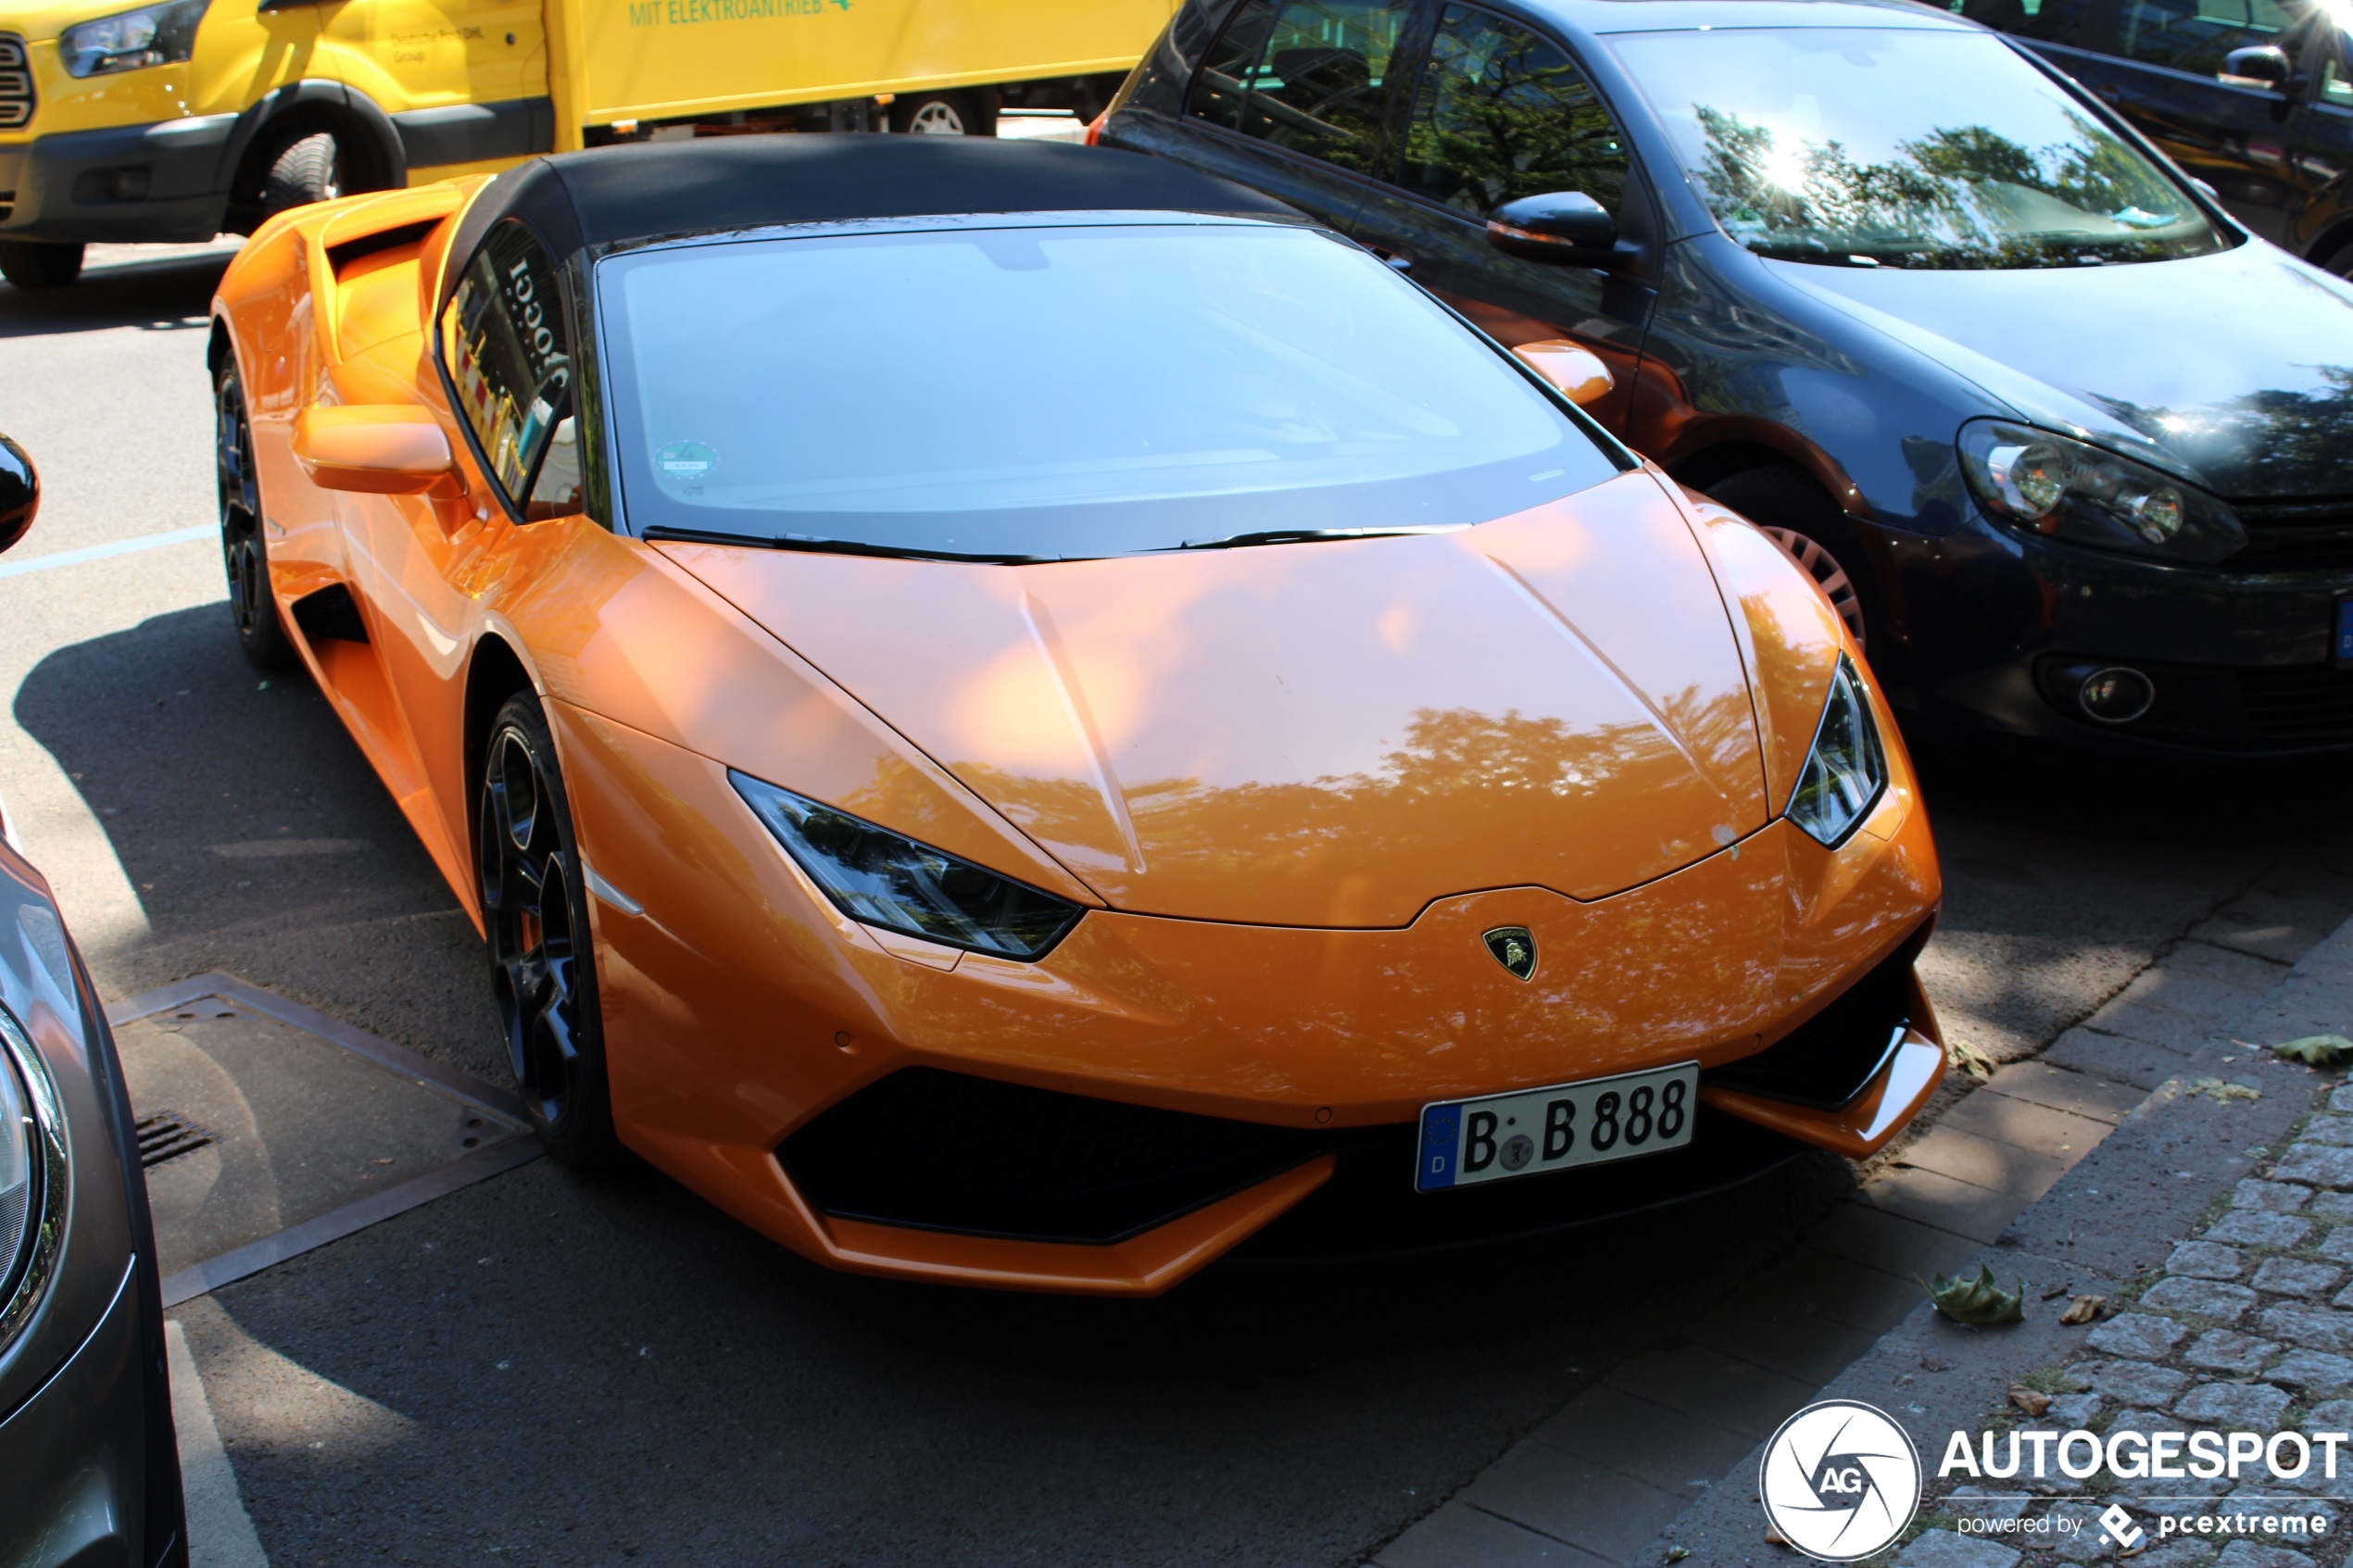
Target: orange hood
[(1315, 735)]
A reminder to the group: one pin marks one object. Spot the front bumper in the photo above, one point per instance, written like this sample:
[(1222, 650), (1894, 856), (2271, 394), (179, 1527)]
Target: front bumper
[(74, 1479), (2242, 661), (902, 1109), (159, 182)]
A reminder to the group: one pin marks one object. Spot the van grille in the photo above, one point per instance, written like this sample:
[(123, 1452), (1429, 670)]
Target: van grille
[(15, 84)]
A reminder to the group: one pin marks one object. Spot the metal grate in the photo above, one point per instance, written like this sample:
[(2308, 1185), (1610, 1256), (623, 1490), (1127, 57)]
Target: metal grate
[(15, 84), (166, 1136)]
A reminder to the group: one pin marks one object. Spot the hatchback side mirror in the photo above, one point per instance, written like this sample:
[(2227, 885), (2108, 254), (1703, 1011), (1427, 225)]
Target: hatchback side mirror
[(20, 493), (1577, 371), (377, 450), (1564, 226), (2258, 65)]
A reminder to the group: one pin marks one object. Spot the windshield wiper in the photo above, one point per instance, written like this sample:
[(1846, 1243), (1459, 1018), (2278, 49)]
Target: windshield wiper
[(842, 546), (1312, 535)]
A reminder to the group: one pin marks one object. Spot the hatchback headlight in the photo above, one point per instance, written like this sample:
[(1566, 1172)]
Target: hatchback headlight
[(152, 36), (32, 1179), (880, 878), (2070, 490), (1847, 768)]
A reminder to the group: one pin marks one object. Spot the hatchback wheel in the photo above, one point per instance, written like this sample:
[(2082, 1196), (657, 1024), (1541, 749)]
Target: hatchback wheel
[(1792, 511), (542, 967), (243, 551)]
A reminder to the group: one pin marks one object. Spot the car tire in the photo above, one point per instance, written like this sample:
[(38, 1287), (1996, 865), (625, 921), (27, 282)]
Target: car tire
[(1796, 513), (29, 265), (245, 553), (308, 169), (543, 963), (935, 114)]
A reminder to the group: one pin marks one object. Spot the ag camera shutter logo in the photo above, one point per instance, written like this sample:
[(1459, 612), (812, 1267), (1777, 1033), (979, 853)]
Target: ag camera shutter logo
[(1840, 1480)]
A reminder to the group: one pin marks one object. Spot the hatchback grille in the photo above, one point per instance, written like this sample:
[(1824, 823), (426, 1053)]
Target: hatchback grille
[(2311, 702), (2295, 535), (15, 84), (166, 1136)]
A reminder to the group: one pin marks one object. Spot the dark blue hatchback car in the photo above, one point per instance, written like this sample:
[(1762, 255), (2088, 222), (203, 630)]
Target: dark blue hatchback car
[(2067, 445)]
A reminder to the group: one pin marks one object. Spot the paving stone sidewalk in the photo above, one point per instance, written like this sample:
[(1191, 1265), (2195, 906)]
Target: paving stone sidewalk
[(2065, 1169), (2218, 1221)]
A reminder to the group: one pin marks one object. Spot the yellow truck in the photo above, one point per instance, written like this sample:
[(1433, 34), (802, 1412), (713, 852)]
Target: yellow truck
[(193, 117)]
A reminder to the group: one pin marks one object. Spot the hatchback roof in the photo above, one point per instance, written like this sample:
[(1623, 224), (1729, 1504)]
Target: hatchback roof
[(1673, 16), (713, 186)]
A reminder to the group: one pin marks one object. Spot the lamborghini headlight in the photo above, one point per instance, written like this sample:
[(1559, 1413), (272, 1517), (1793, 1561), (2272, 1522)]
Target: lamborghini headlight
[(32, 1179), (152, 36), (1846, 770), (2068, 489), (879, 878)]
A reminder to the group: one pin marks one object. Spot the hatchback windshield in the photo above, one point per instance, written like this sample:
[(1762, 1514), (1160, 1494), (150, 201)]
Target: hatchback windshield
[(1903, 148), (1062, 392)]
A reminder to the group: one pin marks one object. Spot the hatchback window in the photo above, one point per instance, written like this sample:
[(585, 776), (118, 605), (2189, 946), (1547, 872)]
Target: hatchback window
[(1269, 380), (1309, 75), (1903, 148), (1500, 113), (2197, 35)]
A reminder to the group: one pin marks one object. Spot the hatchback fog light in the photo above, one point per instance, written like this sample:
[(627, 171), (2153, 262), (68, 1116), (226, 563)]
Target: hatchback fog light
[(2116, 695), (1847, 768), (877, 877)]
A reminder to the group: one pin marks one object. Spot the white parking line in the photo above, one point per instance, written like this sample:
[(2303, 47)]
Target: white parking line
[(100, 552), (219, 1531)]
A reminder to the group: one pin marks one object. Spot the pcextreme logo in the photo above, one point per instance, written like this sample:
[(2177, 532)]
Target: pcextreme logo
[(1840, 1480)]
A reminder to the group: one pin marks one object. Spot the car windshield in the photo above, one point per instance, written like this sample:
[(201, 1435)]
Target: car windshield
[(1903, 148), (1062, 392)]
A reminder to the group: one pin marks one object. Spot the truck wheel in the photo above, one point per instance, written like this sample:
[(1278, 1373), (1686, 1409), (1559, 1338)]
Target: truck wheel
[(29, 265), (308, 171), (935, 114)]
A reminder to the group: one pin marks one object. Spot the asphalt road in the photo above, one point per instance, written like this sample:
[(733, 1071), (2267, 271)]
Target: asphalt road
[(548, 1369)]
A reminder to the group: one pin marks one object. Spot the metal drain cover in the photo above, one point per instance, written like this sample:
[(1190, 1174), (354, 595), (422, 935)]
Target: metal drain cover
[(166, 1135)]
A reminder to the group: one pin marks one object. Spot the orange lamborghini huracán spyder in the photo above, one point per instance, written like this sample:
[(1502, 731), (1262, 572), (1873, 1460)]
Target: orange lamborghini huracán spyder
[(1312, 780)]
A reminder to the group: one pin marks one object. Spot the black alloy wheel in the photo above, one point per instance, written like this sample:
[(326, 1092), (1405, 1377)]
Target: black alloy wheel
[(1792, 511), (243, 551), (543, 966)]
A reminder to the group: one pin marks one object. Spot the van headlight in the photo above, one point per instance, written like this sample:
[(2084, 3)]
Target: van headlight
[(2068, 489), (152, 36), (1847, 768), (877, 877), (32, 1178)]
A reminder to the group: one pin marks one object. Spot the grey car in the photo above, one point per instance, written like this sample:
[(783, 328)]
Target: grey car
[(89, 1463)]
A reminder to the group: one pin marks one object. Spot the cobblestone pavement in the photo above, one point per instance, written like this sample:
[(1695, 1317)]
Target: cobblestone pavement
[(2247, 1327)]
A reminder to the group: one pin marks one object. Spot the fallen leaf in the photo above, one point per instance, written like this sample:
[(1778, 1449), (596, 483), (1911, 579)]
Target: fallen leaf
[(1970, 1059), (2085, 1308), (2029, 1399), (2316, 1050), (1774, 1538), (1676, 1553), (1978, 1300), (2216, 1089)]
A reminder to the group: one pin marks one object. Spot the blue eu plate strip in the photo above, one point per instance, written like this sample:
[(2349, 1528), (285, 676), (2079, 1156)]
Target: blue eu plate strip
[(1441, 1138), (2345, 630)]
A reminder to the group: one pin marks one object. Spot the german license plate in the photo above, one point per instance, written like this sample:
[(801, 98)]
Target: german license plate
[(2343, 639), (1498, 1137)]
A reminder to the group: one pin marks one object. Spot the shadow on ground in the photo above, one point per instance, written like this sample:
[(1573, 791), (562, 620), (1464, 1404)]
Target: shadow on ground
[(167, 295)]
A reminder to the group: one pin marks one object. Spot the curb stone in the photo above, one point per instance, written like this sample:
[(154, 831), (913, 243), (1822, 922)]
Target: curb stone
[(2108, 1227)]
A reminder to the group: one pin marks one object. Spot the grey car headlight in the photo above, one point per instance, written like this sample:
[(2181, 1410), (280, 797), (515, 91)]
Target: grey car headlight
[(32, 1178), (1846, 769), (880, 878), (152, 36), (2054, 484)]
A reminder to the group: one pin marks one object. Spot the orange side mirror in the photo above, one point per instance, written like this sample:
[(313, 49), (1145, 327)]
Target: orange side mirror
[(379, 450), (1579, 372)]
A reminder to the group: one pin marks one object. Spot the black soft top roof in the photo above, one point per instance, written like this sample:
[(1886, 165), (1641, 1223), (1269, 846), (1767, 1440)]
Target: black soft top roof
[(715, 185)]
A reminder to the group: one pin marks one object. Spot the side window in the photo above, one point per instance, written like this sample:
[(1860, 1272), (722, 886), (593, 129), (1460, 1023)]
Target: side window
[(2051, 21), (1502, 113), (2195, 35), (1309, 75), (503, 339)]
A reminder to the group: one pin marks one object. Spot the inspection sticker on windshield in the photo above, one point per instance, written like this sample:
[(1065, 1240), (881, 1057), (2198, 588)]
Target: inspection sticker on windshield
[(2344, 630), (686, 459), (1498, 1137)]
